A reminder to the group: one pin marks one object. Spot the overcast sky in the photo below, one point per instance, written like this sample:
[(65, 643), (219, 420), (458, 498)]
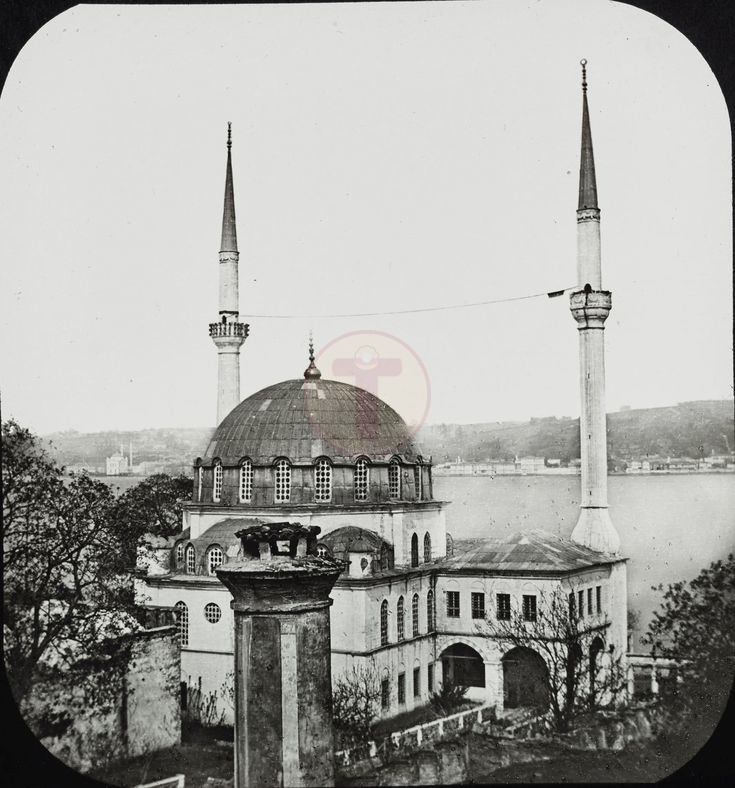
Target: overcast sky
[(386, 156)]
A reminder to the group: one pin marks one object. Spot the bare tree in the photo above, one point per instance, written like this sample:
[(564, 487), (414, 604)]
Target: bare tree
[(356, 702), (578, 672)]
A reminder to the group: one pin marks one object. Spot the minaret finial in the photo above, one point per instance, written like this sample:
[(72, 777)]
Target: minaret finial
[(229, 135), (583, 63), (229, 231), (312, 373)]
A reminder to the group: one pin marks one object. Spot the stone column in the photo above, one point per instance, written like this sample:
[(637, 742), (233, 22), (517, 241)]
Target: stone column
[(283, 689), (494, 682)]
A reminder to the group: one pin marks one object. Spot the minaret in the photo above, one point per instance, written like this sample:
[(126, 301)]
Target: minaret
[(228, 333), (590, 306)]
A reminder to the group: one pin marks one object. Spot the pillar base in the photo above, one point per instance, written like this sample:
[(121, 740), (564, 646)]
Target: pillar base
[(594, 529)]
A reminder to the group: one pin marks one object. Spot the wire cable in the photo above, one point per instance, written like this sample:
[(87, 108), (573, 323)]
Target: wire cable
[(552, 294)]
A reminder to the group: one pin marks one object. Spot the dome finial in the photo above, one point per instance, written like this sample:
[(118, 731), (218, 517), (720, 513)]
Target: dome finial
[(583, 63), (312, 373)]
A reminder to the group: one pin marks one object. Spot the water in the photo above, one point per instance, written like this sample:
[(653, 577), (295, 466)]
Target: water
[(670, 526)]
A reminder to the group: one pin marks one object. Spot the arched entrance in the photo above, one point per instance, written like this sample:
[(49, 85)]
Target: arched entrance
[(524, 679), (462, 666)]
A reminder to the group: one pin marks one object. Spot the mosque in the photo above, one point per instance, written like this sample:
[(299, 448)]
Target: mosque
[(405, 607)]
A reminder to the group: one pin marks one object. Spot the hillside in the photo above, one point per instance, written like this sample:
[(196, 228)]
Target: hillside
[(689, 429)]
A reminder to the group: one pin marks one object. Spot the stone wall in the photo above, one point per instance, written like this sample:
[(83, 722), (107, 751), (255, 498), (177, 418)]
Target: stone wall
[(95, 715)]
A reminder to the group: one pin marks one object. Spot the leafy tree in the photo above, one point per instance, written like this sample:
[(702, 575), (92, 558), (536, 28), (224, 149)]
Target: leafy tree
[(579, 674), (696, 626), (355, 703), (152, 506), (64, 597), (449, 698)]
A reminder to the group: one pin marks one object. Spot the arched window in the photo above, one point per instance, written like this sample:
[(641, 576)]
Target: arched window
[(212, 612), (400, 622), (182, 622), (362, 477), (430, 611), (418, 480), (191, 559), (384, 623), (394, 479), (283, 481), (322, 551), (415, 614), (214, 559), (179, 553), (217, 486), (414, 550), (246, 481), (323, 481), (200, 480), (427, 548)]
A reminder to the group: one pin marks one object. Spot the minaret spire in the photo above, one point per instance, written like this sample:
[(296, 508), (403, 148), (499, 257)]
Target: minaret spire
[(228, 333), (590, 306), (229, 229), (587, 181)]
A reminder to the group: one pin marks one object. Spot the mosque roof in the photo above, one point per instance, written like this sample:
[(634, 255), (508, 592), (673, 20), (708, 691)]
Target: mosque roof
[(528, 551), (310, 417)]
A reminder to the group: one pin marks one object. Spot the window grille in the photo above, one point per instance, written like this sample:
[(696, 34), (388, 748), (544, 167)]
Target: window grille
[(217, 488), (182, 622), (452, 604), (322, 551), (215, 559), (212, 612), (589, 601), (385, 693), (400, 621), (401, 688), (180, 553), (598, 592), (478, 605), (430, 611), (416, 682), (572, 607), (361, 480), (323, 481), (529, 607), (283, 481), (418, 480), (191, 560), (384, 623), (580, 603), (427, 548), (503, 607), (246, 481), (415, 614), (394, 479), (430, 677)]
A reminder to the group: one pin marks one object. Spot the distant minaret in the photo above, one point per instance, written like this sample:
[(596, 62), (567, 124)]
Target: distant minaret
[(590, 307), (228, 333)]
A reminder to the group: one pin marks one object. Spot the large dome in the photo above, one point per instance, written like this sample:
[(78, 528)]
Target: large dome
[(308, 418)]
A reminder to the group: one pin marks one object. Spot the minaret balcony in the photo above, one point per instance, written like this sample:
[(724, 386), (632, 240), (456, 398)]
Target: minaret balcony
[(229, 330), (590, 308)]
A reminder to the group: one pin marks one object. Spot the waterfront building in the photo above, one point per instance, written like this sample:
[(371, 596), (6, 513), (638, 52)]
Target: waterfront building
[(405, 607)]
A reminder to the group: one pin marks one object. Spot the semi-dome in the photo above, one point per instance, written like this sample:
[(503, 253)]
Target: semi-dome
[(308, 418)]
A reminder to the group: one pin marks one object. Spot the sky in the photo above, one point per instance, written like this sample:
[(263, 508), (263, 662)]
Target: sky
[(386, 157)]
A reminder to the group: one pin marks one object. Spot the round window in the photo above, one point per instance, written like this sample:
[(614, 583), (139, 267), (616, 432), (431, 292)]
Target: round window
[(212, 613)]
